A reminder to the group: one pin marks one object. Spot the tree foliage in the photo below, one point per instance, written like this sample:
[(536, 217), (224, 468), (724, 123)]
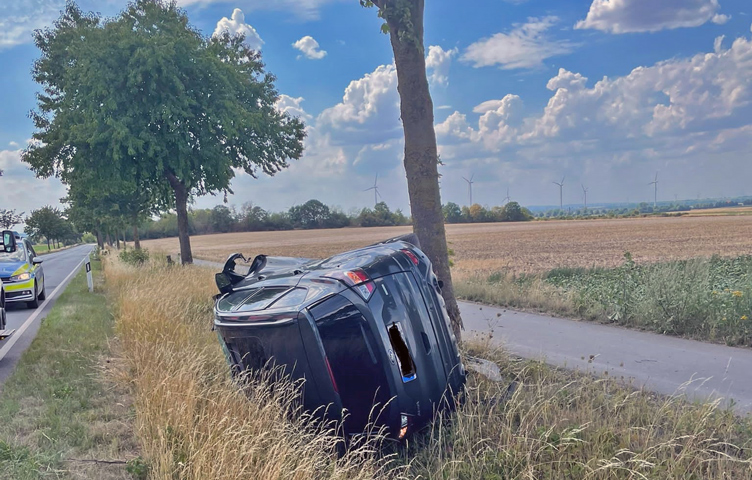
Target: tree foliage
[(9, 218), (50, 224), (146, 99)]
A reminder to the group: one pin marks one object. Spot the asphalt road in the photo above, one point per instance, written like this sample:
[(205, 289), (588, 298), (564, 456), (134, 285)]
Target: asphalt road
[(59, 268), (658, 363)]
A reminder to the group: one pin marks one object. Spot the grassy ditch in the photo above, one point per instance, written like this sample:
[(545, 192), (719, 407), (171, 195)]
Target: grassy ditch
[(61, 416), (705, 299), (542, 423)]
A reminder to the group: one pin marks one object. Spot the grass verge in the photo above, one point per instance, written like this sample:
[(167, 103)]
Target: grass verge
[(540, 423), (60, 414), (706, 299)]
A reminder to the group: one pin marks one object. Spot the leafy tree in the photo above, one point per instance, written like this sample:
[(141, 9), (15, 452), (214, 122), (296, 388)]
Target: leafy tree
[(221, 219), (404, 24), (145, 98), (312, 214), (47, 222), (9, 219), (452, 213), (513, 212)]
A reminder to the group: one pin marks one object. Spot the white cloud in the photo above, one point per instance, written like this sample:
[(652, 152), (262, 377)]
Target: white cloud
[(310, 48), (237, 26), (439, 61), (369, 109), (18, 182), (526, 46), (624, 16), (292, 105), (720, 19), (19, 18)]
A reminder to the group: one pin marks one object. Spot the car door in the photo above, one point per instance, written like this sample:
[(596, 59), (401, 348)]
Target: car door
[(37, 270)]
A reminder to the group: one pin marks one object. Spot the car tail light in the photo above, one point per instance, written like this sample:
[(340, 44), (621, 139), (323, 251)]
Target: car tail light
[(411, 256), (357, 279)]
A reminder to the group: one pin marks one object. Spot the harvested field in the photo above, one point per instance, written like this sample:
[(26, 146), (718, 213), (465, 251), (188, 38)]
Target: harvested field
[(531, 247), (719, 211)]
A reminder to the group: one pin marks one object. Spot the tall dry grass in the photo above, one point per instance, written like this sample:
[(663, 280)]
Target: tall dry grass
[(540, 423), (192, 420)]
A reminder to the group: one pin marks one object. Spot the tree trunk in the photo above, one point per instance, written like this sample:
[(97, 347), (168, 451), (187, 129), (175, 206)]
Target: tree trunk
[(117, 239), (181, 206), (421, 154), (100, 242), (136, 240)]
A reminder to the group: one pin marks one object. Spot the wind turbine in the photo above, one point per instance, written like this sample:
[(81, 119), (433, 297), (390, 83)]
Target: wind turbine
[(561, 192), (655, 182), (375, 189), (508, 198), (470, 187), (585, 190)]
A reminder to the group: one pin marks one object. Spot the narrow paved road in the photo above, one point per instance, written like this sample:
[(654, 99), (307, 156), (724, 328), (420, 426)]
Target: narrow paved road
[(59, 268), (659, 363)]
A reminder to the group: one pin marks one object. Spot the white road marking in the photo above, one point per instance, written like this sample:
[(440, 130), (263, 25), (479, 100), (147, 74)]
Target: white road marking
[(9, 342)]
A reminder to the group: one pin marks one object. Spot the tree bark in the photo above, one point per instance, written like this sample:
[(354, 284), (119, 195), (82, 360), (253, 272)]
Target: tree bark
[(181, 206), (100, 242), (136, 239), (48, 245), (421, 153)]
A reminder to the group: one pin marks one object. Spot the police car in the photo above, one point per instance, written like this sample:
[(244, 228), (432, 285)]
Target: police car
[(7, 247)]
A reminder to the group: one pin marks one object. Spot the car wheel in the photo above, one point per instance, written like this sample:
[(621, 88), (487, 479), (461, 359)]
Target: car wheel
[(3, 318), (43, 294), (34, 303)]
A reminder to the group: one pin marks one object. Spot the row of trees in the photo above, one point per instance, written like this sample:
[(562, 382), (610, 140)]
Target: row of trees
[(46, 224), (252, 218), (475, 213)]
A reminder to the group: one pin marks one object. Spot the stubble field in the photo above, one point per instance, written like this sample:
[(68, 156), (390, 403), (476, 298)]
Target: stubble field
[(532, 247)]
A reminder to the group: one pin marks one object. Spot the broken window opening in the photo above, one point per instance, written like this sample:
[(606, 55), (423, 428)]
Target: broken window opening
[(404, 360)]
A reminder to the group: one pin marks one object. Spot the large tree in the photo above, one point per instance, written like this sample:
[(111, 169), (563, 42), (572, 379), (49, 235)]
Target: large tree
[(146, 99), (404, 24)]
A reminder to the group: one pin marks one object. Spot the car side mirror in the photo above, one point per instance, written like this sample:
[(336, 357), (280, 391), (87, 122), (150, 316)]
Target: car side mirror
[(37, 261), (9, 241)]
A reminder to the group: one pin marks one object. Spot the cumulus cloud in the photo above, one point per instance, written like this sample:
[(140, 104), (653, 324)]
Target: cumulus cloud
[(369, 109), (625, 16), (18, 19), (438, 62), (309, 47), (525, 46), (292, 106), (236, 26)]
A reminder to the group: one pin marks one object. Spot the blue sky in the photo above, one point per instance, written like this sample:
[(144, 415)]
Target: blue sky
[(604, 92)]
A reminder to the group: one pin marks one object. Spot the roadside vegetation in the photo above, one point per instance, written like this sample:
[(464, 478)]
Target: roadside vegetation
[(706, 299), (538, 422), (62, 415)]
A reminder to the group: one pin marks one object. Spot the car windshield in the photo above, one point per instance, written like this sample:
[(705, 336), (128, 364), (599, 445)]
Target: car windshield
[(17, 256)]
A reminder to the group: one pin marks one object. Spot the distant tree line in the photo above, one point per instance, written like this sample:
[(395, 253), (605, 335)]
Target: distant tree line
[(312, 214), (641, 209), (475, 213)]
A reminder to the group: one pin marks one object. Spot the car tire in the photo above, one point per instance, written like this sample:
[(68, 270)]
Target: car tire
[(3, 318), (43, 295), (34, 303)]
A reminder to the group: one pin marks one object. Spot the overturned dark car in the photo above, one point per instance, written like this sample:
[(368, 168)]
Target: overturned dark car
[(366, 329)]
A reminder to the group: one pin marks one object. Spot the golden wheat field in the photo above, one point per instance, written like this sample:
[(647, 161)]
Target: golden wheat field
[(519, 247)]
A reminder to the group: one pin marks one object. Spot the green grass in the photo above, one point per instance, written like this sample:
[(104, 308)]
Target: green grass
[(57, 405), (706, 299)]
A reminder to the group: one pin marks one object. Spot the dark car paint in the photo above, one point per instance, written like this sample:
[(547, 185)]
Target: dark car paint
[(405, 294)]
